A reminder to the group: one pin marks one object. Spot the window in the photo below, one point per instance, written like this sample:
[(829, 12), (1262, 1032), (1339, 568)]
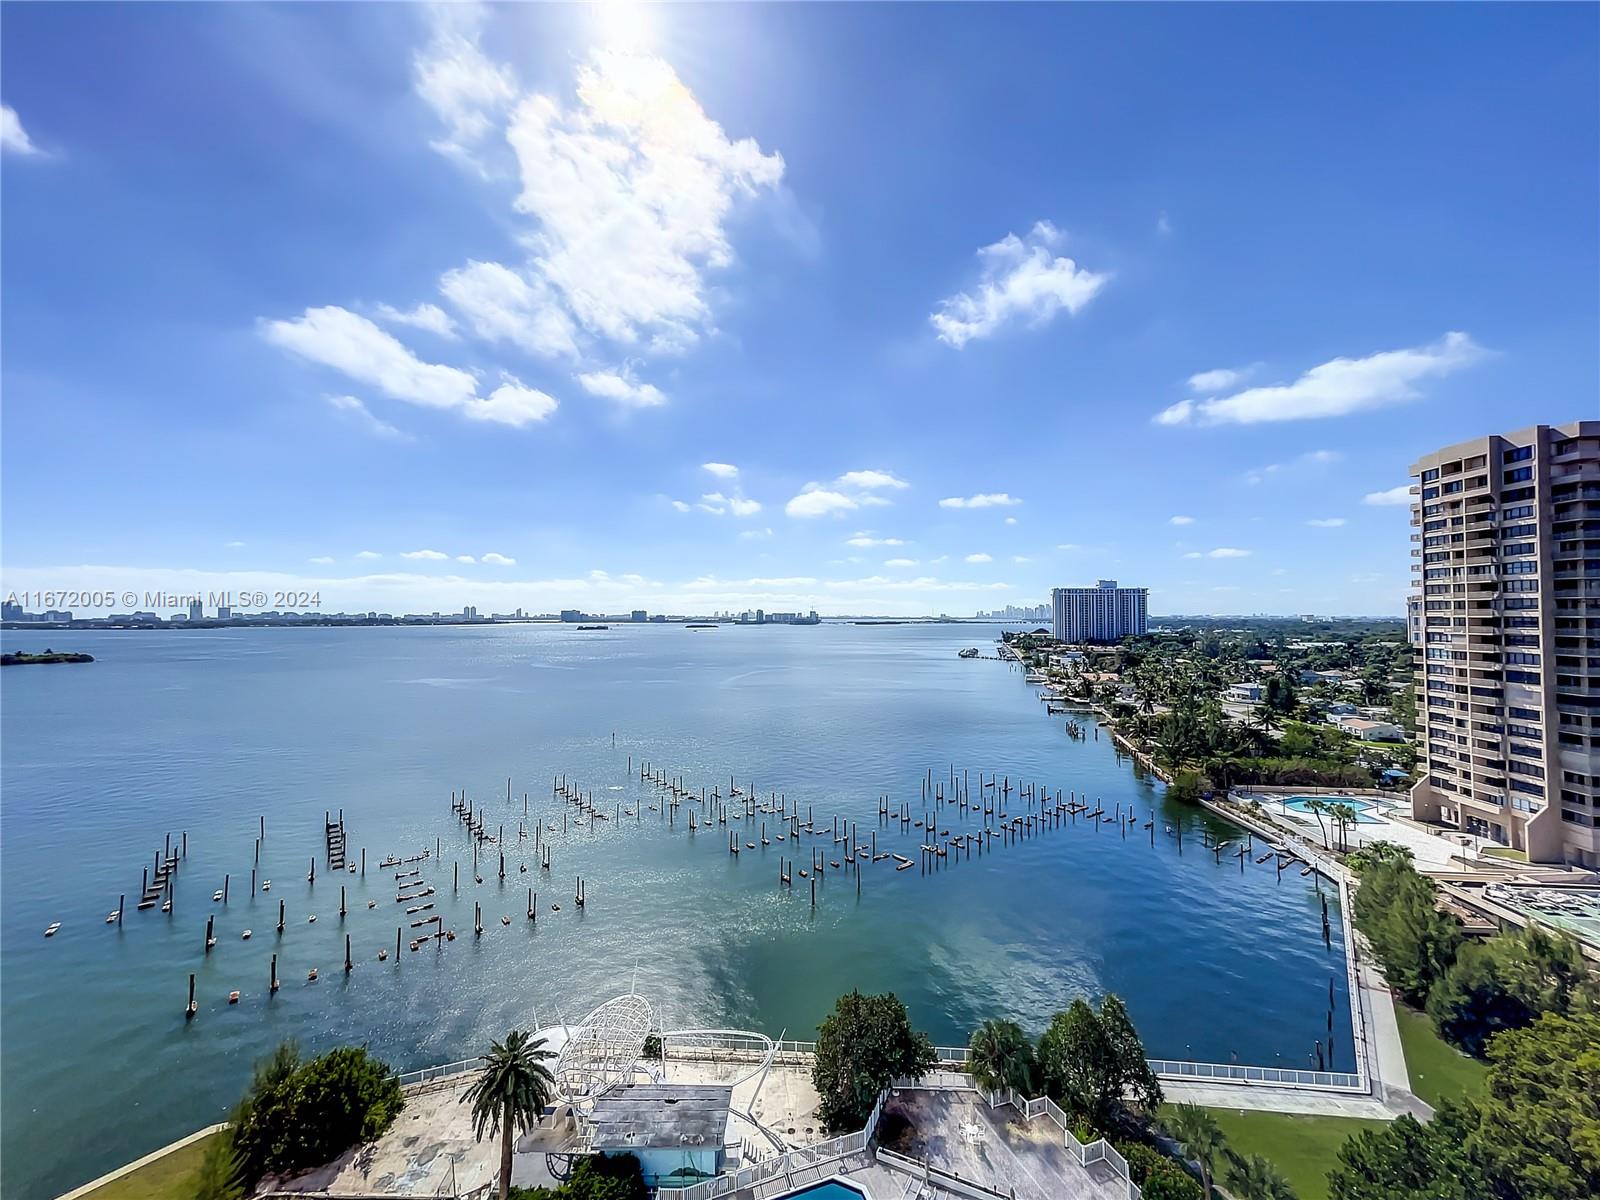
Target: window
[(1527, 714), (1522, 658), (1522, 677), (1430, 475), (1574, 818), (1520, 454), (1520, 475), (1519, 531), (1526, 493), (1517, 512), (1525, 567), (1515, 551)]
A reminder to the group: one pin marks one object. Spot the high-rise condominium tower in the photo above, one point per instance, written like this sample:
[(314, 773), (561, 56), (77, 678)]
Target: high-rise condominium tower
[(1505, 616)]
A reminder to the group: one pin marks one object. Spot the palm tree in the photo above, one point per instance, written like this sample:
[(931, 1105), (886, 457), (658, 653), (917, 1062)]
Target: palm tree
[(1001, 1056), (1254, 1178), (1198, 1133), (1318, 807), (512, 1092), (1346, 816)]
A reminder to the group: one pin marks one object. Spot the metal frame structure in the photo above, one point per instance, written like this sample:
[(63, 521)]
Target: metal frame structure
[(604, 1050)]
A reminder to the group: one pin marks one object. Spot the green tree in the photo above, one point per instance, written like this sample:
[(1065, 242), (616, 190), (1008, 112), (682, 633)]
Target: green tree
[(1406, 1160), (301, 1114), (1474, 999), (1166, 1180), (1252, 1177), (1186, 787), (511, 1093), (1344, 815), (1093, 1063), (863, 1046), (1538, 1127), (595, 1177), (1415, 943), (218, 1176), (1001, 1056), (1197, 1131), (1375, 853)]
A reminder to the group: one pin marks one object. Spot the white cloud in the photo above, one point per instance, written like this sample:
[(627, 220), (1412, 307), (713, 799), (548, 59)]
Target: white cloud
[(1325, 522), (1311, 458), (865, 538), (503, 305), (455, 77), (979, 558), (820, 502), (899, 562), (680, 505), (513, 404), (1019, 280), (14, 138), (424, 316), (851, 491), (233, 545), (1220, 552), (498, 560), (869, 480), (982, 500), (721, 470), (1219, 380), (465, 558), (1180, 520), (322, 560), (335, 337), (1335, 388), (751, 535), (368, 555), (739, 506), (631, 188), (1392, 496), (361, 416), (621, 386), (425, 555), (338, 338), (1021, 558)]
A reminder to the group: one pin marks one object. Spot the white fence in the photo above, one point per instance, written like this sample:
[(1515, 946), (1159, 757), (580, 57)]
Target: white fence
[(1096, 1151), (1192, 1072)]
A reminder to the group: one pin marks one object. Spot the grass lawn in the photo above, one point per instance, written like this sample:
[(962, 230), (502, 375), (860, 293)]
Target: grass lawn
[(170, 1177), (1505, 852), (1438, 1070), (1305, 1149)]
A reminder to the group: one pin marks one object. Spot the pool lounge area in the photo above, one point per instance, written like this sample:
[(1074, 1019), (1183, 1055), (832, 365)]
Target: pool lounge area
[(1366, 810)]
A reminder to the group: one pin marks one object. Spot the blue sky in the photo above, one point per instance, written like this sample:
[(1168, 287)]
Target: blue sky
[(869, 309)]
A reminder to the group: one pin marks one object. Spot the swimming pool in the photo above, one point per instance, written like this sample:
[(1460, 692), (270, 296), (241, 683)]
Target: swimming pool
[(1364, 808), (828, 1189)]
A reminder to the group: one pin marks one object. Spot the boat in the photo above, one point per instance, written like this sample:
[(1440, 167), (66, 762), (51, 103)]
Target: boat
[(217, 895), (267, 886), (111, 917), (582, 628), (245, 936), (969, 652), (233, 997), (699, 626), (50, 929)]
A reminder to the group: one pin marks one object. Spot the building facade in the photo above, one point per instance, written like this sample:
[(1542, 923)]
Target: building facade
[(1102, 613), (1506, 625)]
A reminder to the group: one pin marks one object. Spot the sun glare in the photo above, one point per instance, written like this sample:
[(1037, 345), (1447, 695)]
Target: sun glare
[(624, 24)]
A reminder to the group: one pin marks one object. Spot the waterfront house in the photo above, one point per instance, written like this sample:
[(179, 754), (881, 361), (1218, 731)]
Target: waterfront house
[(1370, 731)]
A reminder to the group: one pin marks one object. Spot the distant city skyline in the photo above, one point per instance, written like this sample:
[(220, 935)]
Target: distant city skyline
[(854, 308)]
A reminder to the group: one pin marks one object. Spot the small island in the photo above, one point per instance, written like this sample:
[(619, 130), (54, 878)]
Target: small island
[(22, 658)]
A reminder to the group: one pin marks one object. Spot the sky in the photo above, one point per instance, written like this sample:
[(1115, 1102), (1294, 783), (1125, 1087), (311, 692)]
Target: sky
[(867, 309)]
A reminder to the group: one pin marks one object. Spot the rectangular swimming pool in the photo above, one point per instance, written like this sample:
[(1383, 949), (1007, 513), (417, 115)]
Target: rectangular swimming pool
[(828, 1189)]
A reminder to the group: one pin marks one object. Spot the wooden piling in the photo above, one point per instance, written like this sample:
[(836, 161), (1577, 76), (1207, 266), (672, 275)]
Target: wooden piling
[(191, 1008), (272, 980), (348, 965)]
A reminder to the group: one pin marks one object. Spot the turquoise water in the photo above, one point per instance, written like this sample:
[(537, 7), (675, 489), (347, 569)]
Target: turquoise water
[(1364, 808), (831, 1190), (206, 731)]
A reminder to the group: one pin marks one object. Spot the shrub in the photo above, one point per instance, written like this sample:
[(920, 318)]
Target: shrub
[(1166, 1180), (863, 1046)]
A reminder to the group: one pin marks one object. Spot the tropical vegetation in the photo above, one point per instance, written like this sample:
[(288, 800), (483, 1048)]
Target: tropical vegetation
[(863, 1046), (301, 1113), (597, 1177), (510, 1093)]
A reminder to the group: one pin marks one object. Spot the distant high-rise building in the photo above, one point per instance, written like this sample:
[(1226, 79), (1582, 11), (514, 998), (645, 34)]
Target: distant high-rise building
[(1102, 613), (10, 610), (640, 614), (197, 611), (1505, 618), (224, 612)]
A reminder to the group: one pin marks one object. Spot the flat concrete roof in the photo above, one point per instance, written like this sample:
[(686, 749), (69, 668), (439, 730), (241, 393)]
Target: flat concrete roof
[(644, 1115)]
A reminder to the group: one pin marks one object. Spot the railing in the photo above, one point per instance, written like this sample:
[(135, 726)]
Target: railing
[(1096, 1151), (1232, 1073), (429, 1074)]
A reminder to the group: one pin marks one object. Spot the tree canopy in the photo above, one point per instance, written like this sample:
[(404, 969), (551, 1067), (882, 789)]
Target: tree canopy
[(863, 1046), (299, 1114), (1093, 1063)]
